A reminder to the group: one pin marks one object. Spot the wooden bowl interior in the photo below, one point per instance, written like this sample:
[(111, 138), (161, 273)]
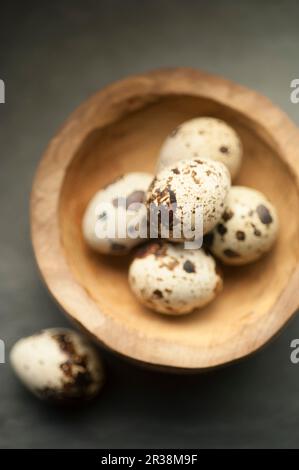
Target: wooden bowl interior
[(132, 144)]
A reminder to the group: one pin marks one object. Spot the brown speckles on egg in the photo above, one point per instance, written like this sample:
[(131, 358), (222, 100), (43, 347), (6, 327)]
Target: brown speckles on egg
[(158, 294), (251, 231), (221, 229), (64, 342), (64, 367), (120, 195), (227, 215), (240, 235), (208, 239), (192, 183), (102, 216), (169, 263), (195, 177), (264, 214), (176, 171), (190, 285), (224, 149), (189, 267), (172, 196), (230, 253)]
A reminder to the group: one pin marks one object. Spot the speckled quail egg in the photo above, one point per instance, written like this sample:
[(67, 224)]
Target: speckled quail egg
[(248, 227), (203, 137), (191, 190), (172, 280), (58, 365), (112, 223)]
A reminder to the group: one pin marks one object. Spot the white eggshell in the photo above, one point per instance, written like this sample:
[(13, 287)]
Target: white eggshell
[(190, 185), (172, 280), (103, 210), (203, 137), (58, 365), (248, 227)]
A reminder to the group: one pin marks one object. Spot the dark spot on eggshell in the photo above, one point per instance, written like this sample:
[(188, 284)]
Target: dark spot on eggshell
[(257, 232), (172, 195), (189, 267), (230, 253), (64, 342), (221, 229), (227, 215), (264, 214), (208, 239), (102, 216), (176, 171), (240, 235), (195, 177), (158, 294), (199, 161), (224, 149)]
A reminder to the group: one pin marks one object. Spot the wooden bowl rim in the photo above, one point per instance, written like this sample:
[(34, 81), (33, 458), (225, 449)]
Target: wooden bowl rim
[(276, 128)]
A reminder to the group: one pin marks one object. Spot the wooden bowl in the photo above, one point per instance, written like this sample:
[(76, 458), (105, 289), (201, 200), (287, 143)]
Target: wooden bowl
[(120, 129)]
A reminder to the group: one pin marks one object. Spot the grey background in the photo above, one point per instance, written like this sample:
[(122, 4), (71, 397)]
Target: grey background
[(53, 55)]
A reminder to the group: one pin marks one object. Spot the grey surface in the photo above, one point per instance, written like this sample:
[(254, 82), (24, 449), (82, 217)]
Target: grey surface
[(53, 55)]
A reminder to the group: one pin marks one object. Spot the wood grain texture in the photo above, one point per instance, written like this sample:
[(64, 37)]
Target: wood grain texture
[(120, 129)]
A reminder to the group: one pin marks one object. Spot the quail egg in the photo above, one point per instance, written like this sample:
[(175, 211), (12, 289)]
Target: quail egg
[(172, 280), (58, 365), (248, 227), (203, 137), (192, 191), (114, 220)]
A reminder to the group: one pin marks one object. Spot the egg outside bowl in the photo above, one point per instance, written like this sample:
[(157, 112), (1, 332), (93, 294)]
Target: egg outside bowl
[(120, 129)]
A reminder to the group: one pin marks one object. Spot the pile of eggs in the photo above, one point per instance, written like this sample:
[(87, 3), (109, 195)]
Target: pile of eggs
[(195, 167)]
